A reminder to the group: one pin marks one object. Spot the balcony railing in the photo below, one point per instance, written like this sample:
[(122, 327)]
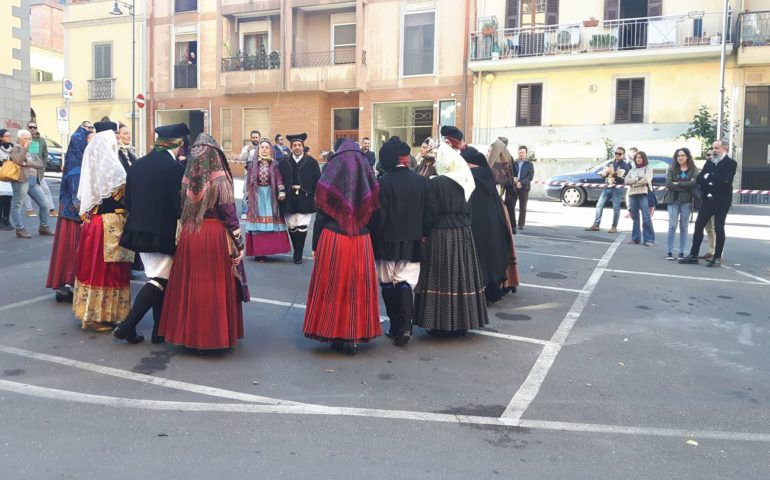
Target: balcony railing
[(181, 6), (186, 76), (609, 35), (252, 62), (755, 28), (341, 56), (101, 89)]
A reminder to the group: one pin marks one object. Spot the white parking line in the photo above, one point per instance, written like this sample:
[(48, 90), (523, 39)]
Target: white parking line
[(564, 239), (320, 410), (546, 287), (515, 338), (746, 274), (685, 277), (25, 302), (531, 386), (524, 252)]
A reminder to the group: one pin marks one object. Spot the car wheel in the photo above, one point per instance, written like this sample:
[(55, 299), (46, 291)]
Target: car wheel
[(573, 196)]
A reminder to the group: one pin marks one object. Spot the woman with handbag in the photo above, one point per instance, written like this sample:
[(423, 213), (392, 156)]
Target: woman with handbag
[(102, 295), (32, 169), (639, 182), (6, 192), (203, 304), (680, 184)]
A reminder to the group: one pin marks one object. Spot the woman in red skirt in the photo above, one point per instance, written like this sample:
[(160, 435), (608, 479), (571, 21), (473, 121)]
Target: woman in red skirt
[(342, 300), (61, 270), (203, 307), (102, 295)]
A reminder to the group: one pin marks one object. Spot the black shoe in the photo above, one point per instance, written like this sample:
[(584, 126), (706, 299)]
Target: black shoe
[(402, 339), (298, 261), (158, 339), (338, 346), (64, 295), (714, 262), (124, 333), (689, 259), (350, 348)]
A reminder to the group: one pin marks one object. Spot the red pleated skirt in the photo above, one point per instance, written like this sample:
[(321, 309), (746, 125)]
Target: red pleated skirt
[(102, 295), (343, 300), (260, 244), (201, 308), (61, 270)]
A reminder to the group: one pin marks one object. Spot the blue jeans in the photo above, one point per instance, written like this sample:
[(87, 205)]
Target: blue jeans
[(678, 213), (639, 203), (20, 189), (616, 194)]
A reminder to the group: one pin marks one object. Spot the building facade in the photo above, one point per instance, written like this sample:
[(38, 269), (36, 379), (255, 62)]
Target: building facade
[(46, 65), (14, 67), (574, 78), (331, 68)]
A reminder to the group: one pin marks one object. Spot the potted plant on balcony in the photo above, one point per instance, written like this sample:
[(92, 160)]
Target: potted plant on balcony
[(488, 29), (603, 41), (591, 22)]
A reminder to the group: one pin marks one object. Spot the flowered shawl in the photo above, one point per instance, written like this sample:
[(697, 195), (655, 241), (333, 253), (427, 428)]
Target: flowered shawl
[(207, 181), (102, 174), (347, 190), (276, 185), (68, 191)]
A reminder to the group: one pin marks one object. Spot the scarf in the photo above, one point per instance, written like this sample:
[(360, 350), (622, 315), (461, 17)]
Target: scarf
[(68, 201), (347, 190), (102, 174), (403, 161), (163, 144), (450, 164), (457, 144), (207, 182)]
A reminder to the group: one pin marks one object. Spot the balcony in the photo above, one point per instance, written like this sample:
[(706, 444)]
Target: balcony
[(341, 56), (251, 73), (252, 62), (186, 76), (330, 71), (754, 29), (101, 89), (181, 6), (613, 41)]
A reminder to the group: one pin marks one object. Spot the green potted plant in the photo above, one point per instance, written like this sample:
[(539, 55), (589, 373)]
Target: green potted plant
[(603, 41), (488, 29)]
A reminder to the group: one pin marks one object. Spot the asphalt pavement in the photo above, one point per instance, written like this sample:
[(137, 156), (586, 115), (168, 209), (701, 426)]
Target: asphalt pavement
[(608, 362)]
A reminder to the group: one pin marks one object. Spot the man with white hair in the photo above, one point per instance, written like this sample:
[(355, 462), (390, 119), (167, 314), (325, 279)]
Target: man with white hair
[(28, 183)]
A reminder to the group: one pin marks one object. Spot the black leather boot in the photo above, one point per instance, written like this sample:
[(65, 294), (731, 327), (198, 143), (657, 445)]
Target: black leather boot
[(156, 313), (390, 298), (298, 242), (405, 313), (149, 296)]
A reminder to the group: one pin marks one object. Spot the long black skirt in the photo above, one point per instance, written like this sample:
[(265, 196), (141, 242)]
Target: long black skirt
[(450, 295)]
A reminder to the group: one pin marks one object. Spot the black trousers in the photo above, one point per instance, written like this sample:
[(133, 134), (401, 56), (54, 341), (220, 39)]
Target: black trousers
[(5, 207), (707, 210), (522, 196)]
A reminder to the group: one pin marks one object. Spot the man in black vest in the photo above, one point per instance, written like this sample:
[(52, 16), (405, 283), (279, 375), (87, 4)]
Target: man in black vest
[(716, 185), (153, 202), (397, 229), (300, 174)]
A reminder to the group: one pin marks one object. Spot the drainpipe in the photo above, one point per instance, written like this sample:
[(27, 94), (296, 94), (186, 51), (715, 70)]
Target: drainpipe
[(465, 65)]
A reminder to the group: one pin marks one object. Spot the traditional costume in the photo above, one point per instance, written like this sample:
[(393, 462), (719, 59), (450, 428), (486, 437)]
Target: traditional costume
[(102, 292), (203, 303), (266, 231), (450, 294), (503, 167), (342, 303), (397, 233), (154, 205), (301, 175), (61, 270)]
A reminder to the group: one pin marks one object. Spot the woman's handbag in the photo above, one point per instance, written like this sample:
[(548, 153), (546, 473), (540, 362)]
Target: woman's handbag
[(112, 224), (10, 171)]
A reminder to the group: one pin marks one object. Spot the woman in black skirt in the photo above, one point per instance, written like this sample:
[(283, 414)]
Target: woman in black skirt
[(450, 292)]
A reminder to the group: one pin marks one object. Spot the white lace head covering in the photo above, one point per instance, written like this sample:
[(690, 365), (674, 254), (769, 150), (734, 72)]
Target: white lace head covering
[(101, 174), (451, 164)]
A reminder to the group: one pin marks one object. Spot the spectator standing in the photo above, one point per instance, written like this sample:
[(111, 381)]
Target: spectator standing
[(524, 174), (680, 182), (38, 147), (613, 176), (31, 171), (280, 151), (247, 156), (6, 192), (639, 181), (366, 147)]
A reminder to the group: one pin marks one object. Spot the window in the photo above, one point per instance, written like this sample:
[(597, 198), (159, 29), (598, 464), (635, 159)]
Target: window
[(103, 60), (41, 76), (419, 43), (225, 128), (345, 123), (256, 119), (447, 111), (629, 100), (253, 43), (181, 6), (529, 105), (185, 63), (344, 43)]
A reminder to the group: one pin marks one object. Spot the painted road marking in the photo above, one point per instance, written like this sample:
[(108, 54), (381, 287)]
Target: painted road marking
[(25, 302), (747, 274), (573, 257), (684, 277), (564, 239)]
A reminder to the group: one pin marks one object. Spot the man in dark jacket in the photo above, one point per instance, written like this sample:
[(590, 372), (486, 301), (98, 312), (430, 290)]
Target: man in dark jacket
[(153, 202), (397, 231), (523, 176), (716, 185), (300, 174)]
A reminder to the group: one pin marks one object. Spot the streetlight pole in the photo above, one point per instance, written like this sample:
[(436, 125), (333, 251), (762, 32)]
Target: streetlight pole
[(131, 11), (722, 59)]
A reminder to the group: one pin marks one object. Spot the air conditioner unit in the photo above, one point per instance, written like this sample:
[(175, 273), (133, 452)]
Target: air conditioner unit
[(568, 36)]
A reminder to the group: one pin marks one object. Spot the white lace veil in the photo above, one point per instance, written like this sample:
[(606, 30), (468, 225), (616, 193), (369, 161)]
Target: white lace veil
[(451, 164), (101, 174)]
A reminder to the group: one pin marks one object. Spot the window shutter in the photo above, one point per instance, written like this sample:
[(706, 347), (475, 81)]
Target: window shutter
[(622, 100), (552, 12), (512, 14), (529, 105), (103, 61), (629, 100), (654, 8), (637, 100), (536, 105), (611, 9)]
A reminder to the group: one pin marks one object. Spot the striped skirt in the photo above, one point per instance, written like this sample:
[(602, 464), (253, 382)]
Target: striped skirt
[(343, 301), (450, 294)]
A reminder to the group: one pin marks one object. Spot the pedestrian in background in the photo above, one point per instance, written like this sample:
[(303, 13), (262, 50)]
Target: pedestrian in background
[(525, 173), (613, 175), (28, 183), (680, 183), (280, 151), (247, 156), (639, 182), (39, 147), (6, 191)]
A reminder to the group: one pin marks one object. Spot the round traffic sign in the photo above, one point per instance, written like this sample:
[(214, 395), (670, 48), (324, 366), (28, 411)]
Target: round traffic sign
[(68, 84), (140, 100)]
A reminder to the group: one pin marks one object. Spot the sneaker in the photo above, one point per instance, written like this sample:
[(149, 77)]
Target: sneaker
[(714, 262), (31, 213), (45, 231), (52, 212), (669, 256), (22, 233), (649, 244), (613, 230), (681, 256), (592, 228), (689, 259), (633, 242)]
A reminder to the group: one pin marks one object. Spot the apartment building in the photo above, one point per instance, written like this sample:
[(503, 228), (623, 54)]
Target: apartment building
[(572, 78), (46, 65), (14, 67), (331, 68)]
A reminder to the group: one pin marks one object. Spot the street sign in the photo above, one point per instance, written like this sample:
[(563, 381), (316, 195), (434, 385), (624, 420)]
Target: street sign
[(67, 88), (63, 120), (140, 100)]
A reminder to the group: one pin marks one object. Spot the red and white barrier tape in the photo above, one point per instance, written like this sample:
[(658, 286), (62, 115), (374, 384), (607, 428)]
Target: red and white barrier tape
[(659, 188)]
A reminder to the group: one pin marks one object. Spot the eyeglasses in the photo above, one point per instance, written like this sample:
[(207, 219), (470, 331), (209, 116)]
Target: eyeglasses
[(31, 127), (618, 153)]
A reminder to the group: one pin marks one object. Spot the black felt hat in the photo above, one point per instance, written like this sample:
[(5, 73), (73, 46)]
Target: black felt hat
[(391, 151), (450, 131), (297, 137), (102, 126), (176, 130)]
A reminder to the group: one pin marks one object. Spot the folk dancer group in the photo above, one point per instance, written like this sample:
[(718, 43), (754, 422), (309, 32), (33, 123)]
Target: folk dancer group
[(439, 242)]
